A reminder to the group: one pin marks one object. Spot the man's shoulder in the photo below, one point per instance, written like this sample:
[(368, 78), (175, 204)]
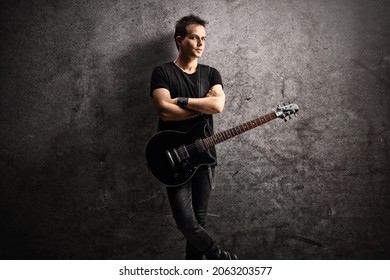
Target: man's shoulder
[(165, 66), (209, 70), (207, 67), (204, 66)]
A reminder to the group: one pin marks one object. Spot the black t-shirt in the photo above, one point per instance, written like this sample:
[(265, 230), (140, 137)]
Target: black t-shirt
[(181, 84)]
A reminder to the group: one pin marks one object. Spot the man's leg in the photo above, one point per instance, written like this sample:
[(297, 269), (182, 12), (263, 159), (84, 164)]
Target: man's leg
[(189, 209), (183, 200), (201, 189)]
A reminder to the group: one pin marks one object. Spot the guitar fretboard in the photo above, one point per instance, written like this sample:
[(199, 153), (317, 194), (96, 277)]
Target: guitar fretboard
[(239, 129)]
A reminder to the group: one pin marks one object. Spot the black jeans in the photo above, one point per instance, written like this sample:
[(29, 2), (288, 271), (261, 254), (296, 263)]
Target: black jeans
[(189, 204)]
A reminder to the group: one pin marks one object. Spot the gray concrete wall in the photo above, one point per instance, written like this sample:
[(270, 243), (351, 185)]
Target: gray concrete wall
[(75, 116)]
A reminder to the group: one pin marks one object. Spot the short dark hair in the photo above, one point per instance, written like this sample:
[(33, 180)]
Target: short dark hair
[(181, 25)]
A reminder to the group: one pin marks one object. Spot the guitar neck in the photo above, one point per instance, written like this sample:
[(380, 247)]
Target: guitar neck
[(237, 130)]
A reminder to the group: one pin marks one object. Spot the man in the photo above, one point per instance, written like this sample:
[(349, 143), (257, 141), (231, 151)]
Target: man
[(185, 93)]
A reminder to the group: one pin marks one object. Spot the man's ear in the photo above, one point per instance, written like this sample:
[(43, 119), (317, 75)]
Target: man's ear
[(179, 39)]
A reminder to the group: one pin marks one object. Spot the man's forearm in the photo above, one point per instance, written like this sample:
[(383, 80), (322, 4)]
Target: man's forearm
[(206, 105), (173, 112)]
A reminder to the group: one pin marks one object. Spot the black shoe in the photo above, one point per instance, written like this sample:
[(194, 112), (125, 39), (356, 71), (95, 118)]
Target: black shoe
[(223, 255), (215, 253)]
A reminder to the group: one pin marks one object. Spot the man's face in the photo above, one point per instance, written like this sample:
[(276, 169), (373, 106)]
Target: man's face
[(194, 42)]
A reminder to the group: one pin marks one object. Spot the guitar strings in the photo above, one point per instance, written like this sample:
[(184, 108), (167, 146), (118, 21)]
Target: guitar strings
[(224, 135)]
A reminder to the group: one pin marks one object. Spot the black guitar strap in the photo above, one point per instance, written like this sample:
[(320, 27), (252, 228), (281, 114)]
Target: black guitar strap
[(203, 87), (203, 80)]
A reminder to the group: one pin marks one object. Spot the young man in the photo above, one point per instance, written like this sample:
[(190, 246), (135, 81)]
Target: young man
[(184, 94)]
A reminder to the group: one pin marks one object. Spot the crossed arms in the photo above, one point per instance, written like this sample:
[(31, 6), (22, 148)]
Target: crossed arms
[(168, 110)]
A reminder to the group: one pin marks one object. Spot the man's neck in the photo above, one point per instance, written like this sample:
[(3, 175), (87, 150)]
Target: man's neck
[(186, 64)]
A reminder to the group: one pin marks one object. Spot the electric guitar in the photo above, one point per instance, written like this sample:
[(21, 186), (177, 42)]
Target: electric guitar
[(173, 157)]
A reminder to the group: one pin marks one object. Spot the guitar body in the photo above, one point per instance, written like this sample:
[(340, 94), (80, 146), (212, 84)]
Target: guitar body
[(173, 157)]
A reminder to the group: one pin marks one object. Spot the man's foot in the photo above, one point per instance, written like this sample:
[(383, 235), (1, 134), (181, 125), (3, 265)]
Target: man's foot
[(215, 253), (224, 255)]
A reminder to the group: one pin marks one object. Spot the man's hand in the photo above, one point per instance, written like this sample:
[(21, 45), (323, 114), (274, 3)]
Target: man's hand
[(214, 92), (212, 103)]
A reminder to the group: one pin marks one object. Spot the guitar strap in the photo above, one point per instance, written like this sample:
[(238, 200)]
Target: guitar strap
[(204, 86), (203, 80)]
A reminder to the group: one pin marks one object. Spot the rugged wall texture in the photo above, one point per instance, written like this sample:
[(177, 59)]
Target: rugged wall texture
[(75, 116)]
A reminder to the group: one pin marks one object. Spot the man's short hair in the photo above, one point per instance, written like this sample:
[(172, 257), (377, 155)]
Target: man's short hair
[(181, 25)]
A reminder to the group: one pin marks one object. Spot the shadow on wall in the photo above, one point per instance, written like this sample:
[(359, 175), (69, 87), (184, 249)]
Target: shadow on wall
[(90, 196), (142, 236)]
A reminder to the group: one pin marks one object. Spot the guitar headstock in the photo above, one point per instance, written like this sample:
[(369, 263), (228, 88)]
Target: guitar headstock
[(286, 111)]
